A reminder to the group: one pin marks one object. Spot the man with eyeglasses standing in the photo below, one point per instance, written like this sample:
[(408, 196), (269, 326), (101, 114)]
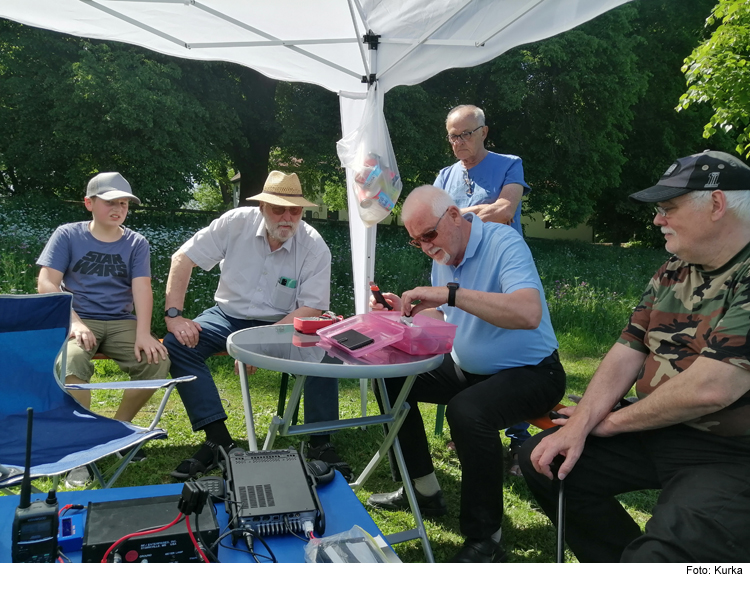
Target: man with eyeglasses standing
[(686, 349), (491, 186), (274, 267), (504, 366), (485, 183)]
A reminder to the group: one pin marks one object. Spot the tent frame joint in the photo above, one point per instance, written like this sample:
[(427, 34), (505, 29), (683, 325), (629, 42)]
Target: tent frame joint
[(371, 39)]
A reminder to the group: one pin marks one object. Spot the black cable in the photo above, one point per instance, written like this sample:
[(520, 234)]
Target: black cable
[(211, 556), (262, 541)]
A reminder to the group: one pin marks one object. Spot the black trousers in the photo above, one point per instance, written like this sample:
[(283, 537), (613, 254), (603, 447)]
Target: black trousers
[(703, 511), (478, 407)]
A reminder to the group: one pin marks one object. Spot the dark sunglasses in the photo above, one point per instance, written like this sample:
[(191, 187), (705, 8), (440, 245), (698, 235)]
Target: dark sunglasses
[(428, 236), (280, 209)]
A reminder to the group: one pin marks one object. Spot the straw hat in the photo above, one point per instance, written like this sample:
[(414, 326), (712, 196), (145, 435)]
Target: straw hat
[(282, 189)]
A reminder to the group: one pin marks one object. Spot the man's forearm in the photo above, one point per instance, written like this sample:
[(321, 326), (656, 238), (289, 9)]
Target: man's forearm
[(707, 386), (178, 280), (612, 380)]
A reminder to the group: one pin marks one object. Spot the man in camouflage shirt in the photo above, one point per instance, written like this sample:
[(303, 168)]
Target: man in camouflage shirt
[(686, 350)]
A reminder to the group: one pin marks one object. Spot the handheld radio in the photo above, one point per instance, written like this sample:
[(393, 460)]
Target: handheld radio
[(34, 536)]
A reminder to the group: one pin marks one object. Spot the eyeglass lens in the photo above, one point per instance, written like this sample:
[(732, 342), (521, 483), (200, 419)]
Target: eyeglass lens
[(279, 210), (463, 136), (427, 236)]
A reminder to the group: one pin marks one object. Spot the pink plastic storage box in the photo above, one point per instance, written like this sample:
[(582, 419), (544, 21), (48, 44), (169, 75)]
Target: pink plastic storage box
[(381, 330), (426, 336)]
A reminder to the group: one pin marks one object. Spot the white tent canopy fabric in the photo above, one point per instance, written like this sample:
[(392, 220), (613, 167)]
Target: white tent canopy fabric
[(321, 42)]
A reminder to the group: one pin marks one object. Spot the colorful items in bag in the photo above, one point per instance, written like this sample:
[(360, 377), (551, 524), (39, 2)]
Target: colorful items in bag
[(375, 184)]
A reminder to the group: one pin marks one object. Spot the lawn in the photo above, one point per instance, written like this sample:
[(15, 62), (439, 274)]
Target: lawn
[(590, 290)]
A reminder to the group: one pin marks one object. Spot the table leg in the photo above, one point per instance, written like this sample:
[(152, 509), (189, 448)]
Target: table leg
[(398, 411), (281, 425), (248, 406)]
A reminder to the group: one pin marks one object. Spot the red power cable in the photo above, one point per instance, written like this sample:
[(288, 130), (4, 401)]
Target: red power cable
[(141, 533)]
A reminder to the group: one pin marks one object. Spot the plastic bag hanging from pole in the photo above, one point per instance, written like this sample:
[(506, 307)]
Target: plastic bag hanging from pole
[(368, 153)]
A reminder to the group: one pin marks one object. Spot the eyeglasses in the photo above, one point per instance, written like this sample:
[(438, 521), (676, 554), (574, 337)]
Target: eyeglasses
[(280, 209), (664, 211), (427, 236), (469, 183), (461, 136)]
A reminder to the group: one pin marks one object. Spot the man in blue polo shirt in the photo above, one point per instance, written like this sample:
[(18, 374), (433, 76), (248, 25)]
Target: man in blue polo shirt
[(491, 186), (503, 368), (485, 183)]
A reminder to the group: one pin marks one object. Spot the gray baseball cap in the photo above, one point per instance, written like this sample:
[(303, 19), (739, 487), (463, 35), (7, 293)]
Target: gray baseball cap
[(110, 185), (706, 171)]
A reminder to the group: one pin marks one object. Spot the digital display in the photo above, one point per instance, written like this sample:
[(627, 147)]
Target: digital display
[(35, 529)]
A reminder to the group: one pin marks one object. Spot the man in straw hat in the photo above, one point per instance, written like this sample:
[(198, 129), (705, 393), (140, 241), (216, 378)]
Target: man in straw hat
[(686, 350), (273, 267)]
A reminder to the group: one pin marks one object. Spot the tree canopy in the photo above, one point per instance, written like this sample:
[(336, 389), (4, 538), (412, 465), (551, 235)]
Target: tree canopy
[(591, 112), (718, 73)]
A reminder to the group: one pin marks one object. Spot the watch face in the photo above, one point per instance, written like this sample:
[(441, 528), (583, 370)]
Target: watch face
[(173, 312)]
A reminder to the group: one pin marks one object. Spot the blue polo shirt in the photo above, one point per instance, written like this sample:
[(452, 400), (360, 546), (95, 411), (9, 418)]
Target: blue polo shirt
[(497, 260), (487, 179)]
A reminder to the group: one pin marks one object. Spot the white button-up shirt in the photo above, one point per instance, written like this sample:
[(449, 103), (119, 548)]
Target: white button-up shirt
[(249, 285)]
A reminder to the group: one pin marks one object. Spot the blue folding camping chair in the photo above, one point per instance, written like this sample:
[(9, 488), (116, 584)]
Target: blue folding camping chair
[(33, 331)]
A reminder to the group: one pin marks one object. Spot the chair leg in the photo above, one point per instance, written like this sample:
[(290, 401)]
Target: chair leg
[(439, 415)]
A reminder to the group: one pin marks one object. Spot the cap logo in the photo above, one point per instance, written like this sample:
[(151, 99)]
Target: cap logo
[(670, 170), (713, 180)]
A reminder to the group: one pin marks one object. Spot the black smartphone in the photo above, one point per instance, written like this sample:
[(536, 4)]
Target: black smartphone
[(352, 340)]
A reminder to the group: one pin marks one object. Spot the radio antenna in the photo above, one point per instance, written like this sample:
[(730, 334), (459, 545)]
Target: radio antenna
[(26, 483)]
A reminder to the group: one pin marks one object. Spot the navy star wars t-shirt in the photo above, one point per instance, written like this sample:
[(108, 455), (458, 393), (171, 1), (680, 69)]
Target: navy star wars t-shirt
[(98, 274)]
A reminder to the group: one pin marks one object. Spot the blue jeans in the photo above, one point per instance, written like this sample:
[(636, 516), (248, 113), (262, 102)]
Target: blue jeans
[(517, 434), (201, 397)]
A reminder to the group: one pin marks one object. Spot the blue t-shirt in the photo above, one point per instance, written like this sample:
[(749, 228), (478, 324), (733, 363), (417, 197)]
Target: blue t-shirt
[(485, 181), (98, 274), (496, 260)]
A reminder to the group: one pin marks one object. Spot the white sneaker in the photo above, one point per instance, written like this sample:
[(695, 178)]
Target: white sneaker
[(78, 478)]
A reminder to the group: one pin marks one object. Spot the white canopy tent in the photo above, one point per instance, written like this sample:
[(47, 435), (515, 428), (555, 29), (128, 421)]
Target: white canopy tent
[(321, 42)]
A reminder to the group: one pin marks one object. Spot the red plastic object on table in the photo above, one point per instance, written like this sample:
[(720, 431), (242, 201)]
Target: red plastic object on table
[(311, 324)]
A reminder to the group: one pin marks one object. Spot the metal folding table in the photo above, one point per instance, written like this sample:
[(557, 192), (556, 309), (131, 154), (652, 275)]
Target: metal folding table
[(281, 348)]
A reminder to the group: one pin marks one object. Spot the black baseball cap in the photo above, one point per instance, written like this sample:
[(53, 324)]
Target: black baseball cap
[(706, 171)]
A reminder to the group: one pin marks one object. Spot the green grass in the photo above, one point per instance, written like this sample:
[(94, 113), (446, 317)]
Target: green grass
[(590, 289)]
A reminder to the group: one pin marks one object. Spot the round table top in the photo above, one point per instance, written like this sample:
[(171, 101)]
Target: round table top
[(279, 347)]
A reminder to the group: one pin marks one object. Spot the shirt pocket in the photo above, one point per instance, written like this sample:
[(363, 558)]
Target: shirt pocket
[(283, 297)]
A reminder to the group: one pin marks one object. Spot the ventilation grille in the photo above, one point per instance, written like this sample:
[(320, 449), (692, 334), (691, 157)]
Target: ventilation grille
[(255, 497)]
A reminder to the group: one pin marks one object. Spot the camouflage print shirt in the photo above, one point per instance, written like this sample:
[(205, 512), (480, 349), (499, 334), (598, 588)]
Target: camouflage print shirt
[(687, 313)]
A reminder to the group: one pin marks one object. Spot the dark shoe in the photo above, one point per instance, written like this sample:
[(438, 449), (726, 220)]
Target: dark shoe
[(486, 550), (327, 453), (138, 457), (207, 458), (432, 506)]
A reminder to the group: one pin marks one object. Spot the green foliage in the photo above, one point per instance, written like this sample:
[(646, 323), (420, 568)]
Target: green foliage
[(659, 134), (718, 73), (71, 107)]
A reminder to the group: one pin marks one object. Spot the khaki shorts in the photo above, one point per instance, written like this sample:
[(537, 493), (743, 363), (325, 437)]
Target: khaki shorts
[(115, 339)]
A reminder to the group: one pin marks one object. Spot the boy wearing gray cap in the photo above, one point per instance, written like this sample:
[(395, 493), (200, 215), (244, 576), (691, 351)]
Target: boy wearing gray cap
[(107, 268)]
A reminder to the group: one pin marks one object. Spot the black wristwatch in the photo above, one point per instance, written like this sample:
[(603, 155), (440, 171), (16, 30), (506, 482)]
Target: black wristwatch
[(452, 289), (173, 313)]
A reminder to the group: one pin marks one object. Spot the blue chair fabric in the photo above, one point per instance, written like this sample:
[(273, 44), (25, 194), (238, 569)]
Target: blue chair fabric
[(33, 331)]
